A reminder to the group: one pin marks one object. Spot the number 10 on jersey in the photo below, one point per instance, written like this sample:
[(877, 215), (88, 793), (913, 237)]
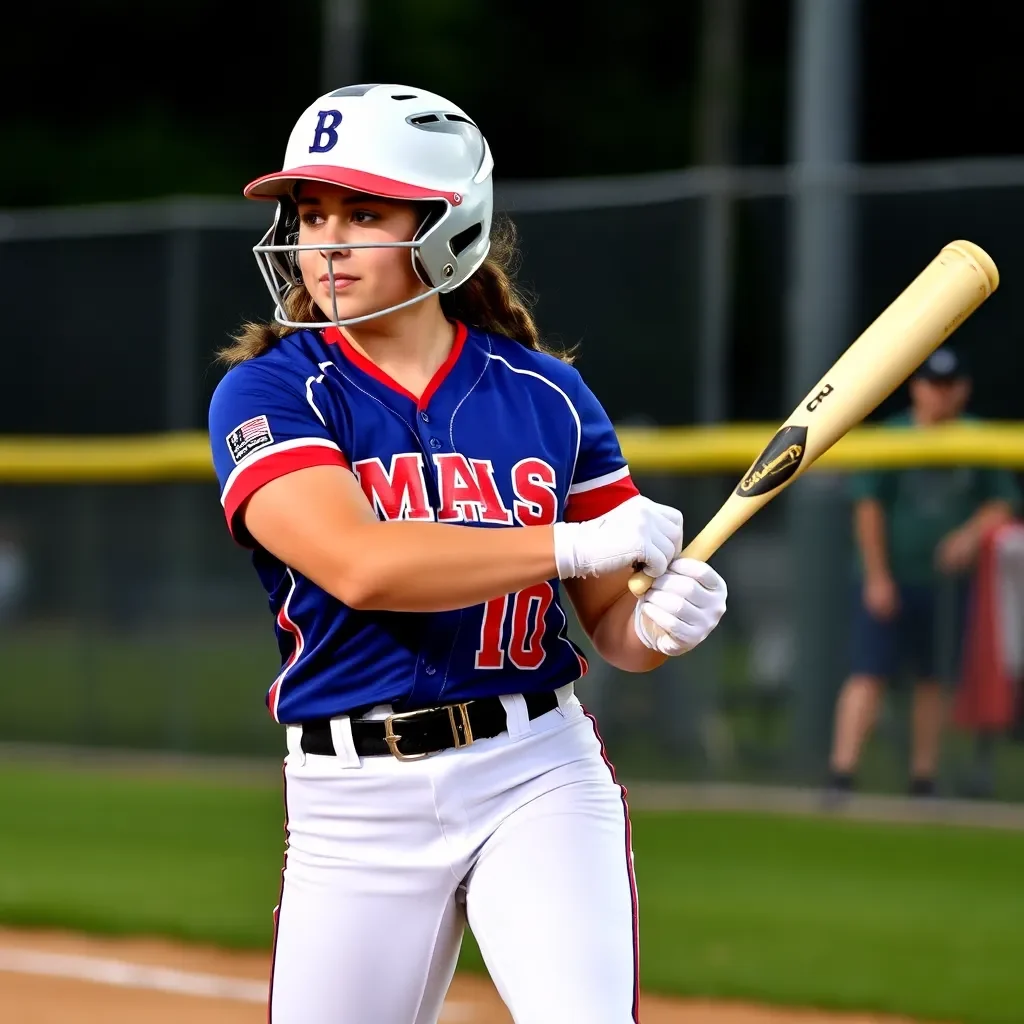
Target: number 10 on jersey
[(525, 646)]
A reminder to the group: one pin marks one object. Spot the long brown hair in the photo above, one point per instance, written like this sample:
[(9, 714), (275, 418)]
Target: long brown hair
[(490, 300)]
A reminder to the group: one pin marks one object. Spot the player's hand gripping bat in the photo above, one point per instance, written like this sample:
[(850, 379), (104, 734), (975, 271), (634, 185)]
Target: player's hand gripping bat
[(949, 289)]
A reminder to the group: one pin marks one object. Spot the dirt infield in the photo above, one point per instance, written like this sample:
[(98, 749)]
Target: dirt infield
[(52, 978)]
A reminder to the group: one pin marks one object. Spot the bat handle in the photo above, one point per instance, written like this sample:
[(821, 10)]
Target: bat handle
[(702, 547)]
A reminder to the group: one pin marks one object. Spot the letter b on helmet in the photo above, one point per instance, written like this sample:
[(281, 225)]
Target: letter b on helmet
[(325, 135)]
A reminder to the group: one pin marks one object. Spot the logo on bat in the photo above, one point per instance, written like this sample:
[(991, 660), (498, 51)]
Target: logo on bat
[(819, 398), (776, 464)]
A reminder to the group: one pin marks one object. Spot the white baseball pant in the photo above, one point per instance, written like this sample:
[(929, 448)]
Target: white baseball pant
[(525, 834)]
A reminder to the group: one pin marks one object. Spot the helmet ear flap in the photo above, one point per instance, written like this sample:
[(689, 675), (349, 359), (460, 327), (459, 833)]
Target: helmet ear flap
[(421, 271), (435, 211), (440, 253)]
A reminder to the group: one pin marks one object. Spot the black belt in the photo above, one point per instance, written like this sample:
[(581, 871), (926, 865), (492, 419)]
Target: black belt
[(410, 735)]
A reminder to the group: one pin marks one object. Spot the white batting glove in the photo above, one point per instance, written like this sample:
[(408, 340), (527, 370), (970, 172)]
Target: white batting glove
[(681, 608), (639, 531)]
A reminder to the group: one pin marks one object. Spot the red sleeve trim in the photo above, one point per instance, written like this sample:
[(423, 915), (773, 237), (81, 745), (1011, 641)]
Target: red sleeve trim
[(591, 504), (262, 471)]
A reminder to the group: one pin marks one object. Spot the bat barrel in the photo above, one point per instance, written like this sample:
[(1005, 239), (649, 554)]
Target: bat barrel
[(978, 256), (946, 292)]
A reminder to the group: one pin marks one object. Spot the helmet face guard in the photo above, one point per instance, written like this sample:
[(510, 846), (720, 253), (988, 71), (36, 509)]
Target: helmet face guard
[(277, 257), (396, 141)]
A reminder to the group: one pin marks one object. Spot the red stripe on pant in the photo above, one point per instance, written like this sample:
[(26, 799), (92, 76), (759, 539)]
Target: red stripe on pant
[(280, 897), (629, 869)]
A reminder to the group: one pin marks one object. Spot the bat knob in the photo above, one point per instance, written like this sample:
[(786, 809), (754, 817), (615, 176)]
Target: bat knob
[(640, 583)]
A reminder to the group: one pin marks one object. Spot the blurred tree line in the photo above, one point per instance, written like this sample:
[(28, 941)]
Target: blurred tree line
[(119, 100), (115, 100)]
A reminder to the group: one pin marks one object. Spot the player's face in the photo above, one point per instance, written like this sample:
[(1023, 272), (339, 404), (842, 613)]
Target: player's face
[(364, 280), (939, 400)]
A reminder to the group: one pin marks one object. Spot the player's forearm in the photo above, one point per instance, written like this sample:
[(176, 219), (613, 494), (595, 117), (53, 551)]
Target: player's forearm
[(427, 567), (870, 534), (615, 639), (318, 522)]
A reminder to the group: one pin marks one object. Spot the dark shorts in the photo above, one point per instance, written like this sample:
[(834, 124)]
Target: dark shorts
[(924, 639)]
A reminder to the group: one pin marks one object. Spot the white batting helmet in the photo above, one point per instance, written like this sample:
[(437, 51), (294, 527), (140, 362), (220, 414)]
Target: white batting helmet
[(394, 141)]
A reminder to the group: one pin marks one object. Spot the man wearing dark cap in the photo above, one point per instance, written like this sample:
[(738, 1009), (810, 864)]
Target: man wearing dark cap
[(917, 536)]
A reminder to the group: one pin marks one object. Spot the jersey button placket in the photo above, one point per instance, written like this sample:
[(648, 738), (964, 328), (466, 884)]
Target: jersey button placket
[(435, 443)]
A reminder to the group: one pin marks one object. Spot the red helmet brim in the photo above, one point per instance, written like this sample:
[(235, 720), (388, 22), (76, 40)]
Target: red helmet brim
[(280, 183)]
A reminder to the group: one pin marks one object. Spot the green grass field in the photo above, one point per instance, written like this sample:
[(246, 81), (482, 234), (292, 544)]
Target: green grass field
[(925, 921)]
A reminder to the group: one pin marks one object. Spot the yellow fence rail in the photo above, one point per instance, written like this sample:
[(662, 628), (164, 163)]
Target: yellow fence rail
[(157, 458)]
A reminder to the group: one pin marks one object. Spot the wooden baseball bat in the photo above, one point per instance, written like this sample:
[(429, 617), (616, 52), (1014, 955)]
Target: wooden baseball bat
[(949, 289)]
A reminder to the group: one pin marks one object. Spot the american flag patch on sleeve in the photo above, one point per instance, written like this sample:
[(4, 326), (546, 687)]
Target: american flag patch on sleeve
[(249, 436)]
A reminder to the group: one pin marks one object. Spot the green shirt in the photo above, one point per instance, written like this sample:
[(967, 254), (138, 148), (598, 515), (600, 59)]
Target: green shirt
[(922, 505)]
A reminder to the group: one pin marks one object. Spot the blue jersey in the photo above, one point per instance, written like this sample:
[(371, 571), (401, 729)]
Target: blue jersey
[(503, 436)]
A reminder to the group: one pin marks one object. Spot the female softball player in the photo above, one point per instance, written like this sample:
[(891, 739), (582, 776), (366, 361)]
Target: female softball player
[(439, 766)]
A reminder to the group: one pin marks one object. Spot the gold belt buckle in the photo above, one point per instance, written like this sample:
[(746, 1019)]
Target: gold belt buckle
[(392, 740), (464, 740)]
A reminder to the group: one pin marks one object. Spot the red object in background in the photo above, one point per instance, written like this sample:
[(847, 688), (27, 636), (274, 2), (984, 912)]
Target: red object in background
[(993, 659)]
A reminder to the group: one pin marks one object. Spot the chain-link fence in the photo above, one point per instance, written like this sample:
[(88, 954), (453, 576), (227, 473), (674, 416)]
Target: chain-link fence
[(112, 315)]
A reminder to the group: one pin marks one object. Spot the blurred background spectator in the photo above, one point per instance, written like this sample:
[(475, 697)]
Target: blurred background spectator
[(918, 532)]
